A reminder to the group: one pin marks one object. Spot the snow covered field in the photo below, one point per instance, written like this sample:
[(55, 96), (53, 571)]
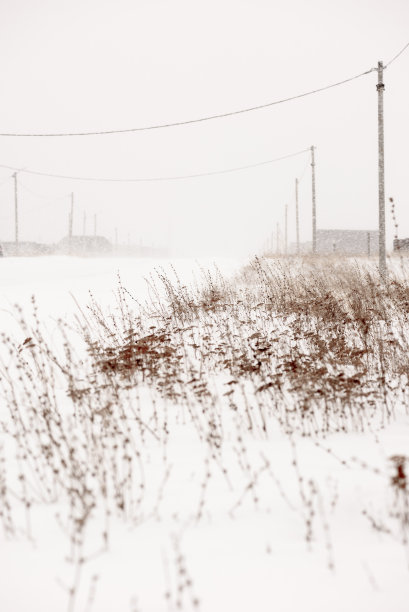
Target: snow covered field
[(55, 280), (232, 446)]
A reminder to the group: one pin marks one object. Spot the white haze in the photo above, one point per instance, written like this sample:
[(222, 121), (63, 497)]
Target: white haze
[(96, 65)]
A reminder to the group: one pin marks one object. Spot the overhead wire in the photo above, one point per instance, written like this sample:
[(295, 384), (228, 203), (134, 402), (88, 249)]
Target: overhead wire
[(201, 119), (291, 197), (6, 180), (189, 121), (157, 178), (48, 201), (397, 55), (45, 206), (42, 196), (304, 171)]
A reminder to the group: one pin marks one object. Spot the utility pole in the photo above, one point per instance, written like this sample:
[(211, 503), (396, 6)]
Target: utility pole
[(286, 230), (381, 175), (314, 209), (16, 213), (297, 218)]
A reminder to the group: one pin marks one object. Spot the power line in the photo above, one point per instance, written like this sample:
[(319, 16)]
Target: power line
[(35, 209), (189, 121), (397, 55), (5, 180), (42, 196), (300, 178), (157, 178)]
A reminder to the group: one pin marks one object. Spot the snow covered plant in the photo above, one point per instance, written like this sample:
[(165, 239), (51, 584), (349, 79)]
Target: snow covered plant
[(220, 402)]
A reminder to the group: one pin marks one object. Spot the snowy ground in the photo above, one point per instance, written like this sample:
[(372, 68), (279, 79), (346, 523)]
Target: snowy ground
[(217, 514), (56, 280)]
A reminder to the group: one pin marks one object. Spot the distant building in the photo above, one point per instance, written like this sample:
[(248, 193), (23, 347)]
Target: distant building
[(81, 246), (84, 245), (401, 244), (348, 242), (25, 249)]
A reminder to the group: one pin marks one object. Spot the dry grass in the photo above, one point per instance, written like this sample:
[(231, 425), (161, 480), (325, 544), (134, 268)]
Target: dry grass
[(305, 349)]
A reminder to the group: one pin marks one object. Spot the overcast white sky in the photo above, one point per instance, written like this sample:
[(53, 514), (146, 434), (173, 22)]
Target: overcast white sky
[(103, 64)]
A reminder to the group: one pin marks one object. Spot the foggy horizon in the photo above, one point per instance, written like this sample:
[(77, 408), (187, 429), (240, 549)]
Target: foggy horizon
[(84, 66)]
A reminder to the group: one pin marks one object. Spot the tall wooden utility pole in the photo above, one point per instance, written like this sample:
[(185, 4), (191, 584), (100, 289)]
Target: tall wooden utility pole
[(314, 209), (381, 175), (277, 238), (286, 230), (16, 213), (297, 218)]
